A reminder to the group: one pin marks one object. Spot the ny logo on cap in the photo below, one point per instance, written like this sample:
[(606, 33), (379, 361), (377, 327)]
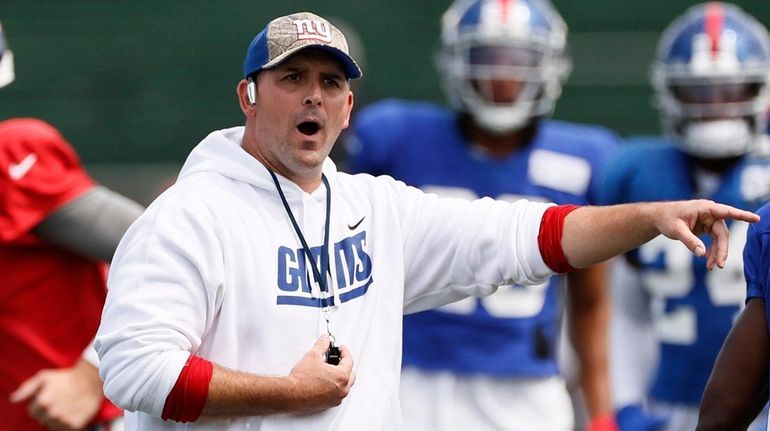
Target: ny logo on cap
[(313, 29)]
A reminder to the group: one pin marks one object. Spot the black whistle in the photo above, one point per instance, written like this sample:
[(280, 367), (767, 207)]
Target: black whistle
[(333, 354)]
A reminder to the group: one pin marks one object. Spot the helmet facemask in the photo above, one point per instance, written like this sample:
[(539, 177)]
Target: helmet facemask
[(715, 116)]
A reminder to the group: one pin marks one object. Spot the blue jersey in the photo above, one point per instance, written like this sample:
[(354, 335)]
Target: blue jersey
[(756, 258), (692, 309), (514, 331)]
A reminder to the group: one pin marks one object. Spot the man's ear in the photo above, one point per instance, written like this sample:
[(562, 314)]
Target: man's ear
[(350, 109), (245, 100)]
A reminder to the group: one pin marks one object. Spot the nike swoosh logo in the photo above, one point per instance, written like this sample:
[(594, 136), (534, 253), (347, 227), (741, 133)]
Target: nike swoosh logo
[(17, 171), (353, 227)]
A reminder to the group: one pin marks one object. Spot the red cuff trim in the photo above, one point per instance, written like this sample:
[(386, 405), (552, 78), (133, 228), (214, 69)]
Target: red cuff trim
[(603, 423), (186, 400), (549, 238)]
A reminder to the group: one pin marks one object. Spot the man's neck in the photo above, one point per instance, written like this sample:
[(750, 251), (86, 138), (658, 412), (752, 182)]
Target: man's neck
[(308, 180)]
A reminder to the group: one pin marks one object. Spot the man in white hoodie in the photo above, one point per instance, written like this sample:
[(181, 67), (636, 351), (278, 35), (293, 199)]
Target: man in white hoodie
[(249, 296)]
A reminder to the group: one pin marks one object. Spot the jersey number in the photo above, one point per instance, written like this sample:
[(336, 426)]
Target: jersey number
[(725, 287)]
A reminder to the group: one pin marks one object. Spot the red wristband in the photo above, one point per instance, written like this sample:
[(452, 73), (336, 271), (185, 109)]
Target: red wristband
[(603, 423), (549, 238), (186, 400)]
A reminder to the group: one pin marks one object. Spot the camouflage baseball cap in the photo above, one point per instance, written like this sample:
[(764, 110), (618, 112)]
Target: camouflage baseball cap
[(289, 34)]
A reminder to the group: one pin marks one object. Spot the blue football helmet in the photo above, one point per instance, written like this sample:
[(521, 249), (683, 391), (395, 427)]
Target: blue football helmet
[(6, 61), (711, 79), (519, 45)]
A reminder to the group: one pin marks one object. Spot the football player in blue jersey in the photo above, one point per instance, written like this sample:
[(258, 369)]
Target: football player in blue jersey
[(491, 363), (710, 76), (738, 386)]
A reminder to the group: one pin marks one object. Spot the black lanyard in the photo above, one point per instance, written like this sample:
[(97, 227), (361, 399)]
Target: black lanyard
[(322, 281)]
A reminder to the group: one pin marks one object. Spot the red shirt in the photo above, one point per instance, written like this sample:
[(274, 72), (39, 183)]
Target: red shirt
[(50, 299)]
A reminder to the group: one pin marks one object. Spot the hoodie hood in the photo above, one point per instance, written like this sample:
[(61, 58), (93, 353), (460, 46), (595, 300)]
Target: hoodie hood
[(221, 152)]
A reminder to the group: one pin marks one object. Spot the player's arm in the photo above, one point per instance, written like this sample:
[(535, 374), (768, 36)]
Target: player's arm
[(595, 234), (91, 224), (588, 311), (738, 387)]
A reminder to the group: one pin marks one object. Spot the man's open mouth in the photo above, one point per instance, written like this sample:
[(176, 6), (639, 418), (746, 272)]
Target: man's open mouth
[(308, 128)]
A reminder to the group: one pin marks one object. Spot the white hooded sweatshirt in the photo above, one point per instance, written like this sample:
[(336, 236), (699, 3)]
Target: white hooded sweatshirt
[(214, 268)]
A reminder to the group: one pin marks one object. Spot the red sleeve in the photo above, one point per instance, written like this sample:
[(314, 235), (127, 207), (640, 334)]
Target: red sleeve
[(39, 172), (186, 400), (549, 238)]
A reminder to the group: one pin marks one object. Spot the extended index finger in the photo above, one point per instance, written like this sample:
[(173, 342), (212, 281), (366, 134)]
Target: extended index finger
[(723, 211)]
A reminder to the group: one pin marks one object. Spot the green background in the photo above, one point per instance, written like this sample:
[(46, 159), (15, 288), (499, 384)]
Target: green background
[(134, 85)]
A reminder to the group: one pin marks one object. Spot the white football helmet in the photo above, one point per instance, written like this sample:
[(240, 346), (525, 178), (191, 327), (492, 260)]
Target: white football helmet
[(711, 78), (503, 61)]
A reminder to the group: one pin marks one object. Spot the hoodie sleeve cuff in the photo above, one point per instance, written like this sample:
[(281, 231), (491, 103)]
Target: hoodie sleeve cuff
[(186, 400), (549, 238)]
